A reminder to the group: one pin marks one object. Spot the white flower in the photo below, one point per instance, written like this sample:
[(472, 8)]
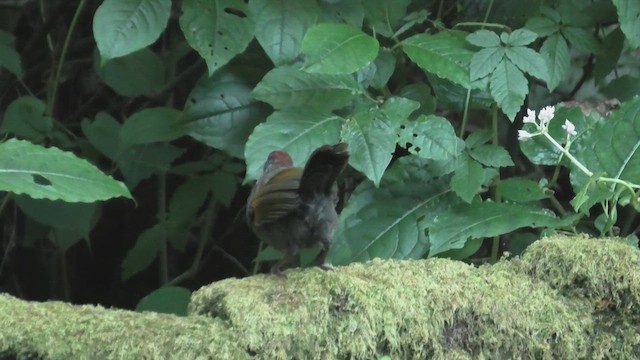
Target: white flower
[(524, 135), (530, 118), (569, 128), (546, 114)]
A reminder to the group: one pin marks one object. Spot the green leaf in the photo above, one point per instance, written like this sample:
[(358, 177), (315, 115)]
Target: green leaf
[(9, 57), (398, 109), (581, 38), (71, 222), (543, 26), (421, 93), (281, 25), (484, 39), (556, 54), (385, 65), (609, 54), (338, 49), (521, 37), (188, 198), (520, 190), (152, 125), (217, 29), (103, 134), (623, 88), (25, 118), (467, 179), (485, 61), (491, 155), (286, 87), (452, 228), (122, 27), (452, 96), (431, 137), (383, 16), (528, 61), (477, 138), (50, 173), (371, 143), (345, 11), (224, 186), (508, 88), (297, 131), (629, 17), (139, 73), (144, 252), (445, 54), (143, 161), (221, 112), (167, 300), (470, 247)]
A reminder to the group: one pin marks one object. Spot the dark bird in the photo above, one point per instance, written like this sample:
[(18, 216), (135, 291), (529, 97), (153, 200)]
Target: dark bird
[(291, 208)]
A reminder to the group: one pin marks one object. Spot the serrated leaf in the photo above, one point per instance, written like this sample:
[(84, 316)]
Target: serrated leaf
[(581, 39), (528, 61), (609, 54), (467, 179), (221, 112), (297, 131), (520, 190), (556, 54), (50, 173), (508, 88), (521, 37), (452, 228), (138, 73), (281, 25), (287, 87), (383, 16), (491, 155), (338, 49), (543, 26), (431, 137), (485, 61), (144, 252), (398, 109), (152, 125), (167, 300), (122, 27), (217, 29), (445, 54), (484, 38), (371, 143), (25, 117), (629, 17)]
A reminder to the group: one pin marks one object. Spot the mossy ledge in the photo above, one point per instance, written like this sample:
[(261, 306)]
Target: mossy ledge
[(566, 298)]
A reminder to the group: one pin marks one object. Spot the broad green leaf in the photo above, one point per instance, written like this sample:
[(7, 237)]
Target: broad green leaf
[(383, 16), (628, 14), (477, 138), (445, 54), (143, 161), (420, 93), (221, 112), (431, 137), (508, 88), (371, 143), (152, 125), (139, 73), (224, 186), (144, 252), (485, 61), (609, 54), (452, 96), (71, 222), (484, 39), (521, 37), (167, 300), (104, 134), (121, 27), (281, 25), (344, 11), (9, 57), (188, 198), (398, 109), (520, 190), (217, 29), (385, 64), (25, 118), (297, 131), (467, 179), (452, 228), (50, 173), (338, 49), (623, 88), (287, 87), (491, 155), (543, 26), (528, 61), (556, 54), (581, 38), (470, 247)]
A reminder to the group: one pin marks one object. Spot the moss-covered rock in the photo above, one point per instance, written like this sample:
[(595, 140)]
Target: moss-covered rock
[(567, 297)]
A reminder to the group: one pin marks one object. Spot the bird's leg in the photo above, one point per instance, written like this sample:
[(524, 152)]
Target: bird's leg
[(321, 260), (275, 269)]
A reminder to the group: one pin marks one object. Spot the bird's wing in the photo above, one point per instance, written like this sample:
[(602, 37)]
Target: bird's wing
[(277, 198)]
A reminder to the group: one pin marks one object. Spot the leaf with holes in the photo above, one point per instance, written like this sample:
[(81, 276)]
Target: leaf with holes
[(122, 27), (217, 29), (50, 173), (430, 137), (297, 131)]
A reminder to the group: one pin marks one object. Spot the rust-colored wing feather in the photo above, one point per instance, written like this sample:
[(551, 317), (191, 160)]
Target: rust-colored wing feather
[(277, 198)]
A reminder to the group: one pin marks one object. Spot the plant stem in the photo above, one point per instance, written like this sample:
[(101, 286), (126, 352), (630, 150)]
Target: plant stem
[(162, 217), (465, 114), (495, 244)]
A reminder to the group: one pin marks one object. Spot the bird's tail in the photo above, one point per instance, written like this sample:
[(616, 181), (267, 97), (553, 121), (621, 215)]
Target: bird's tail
[(322, 169)]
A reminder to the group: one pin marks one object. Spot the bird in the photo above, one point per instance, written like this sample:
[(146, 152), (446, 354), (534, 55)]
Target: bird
[(292, 208)]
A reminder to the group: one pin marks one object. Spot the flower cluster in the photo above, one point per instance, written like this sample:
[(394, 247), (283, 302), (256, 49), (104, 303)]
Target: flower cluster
[(541, 123)]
